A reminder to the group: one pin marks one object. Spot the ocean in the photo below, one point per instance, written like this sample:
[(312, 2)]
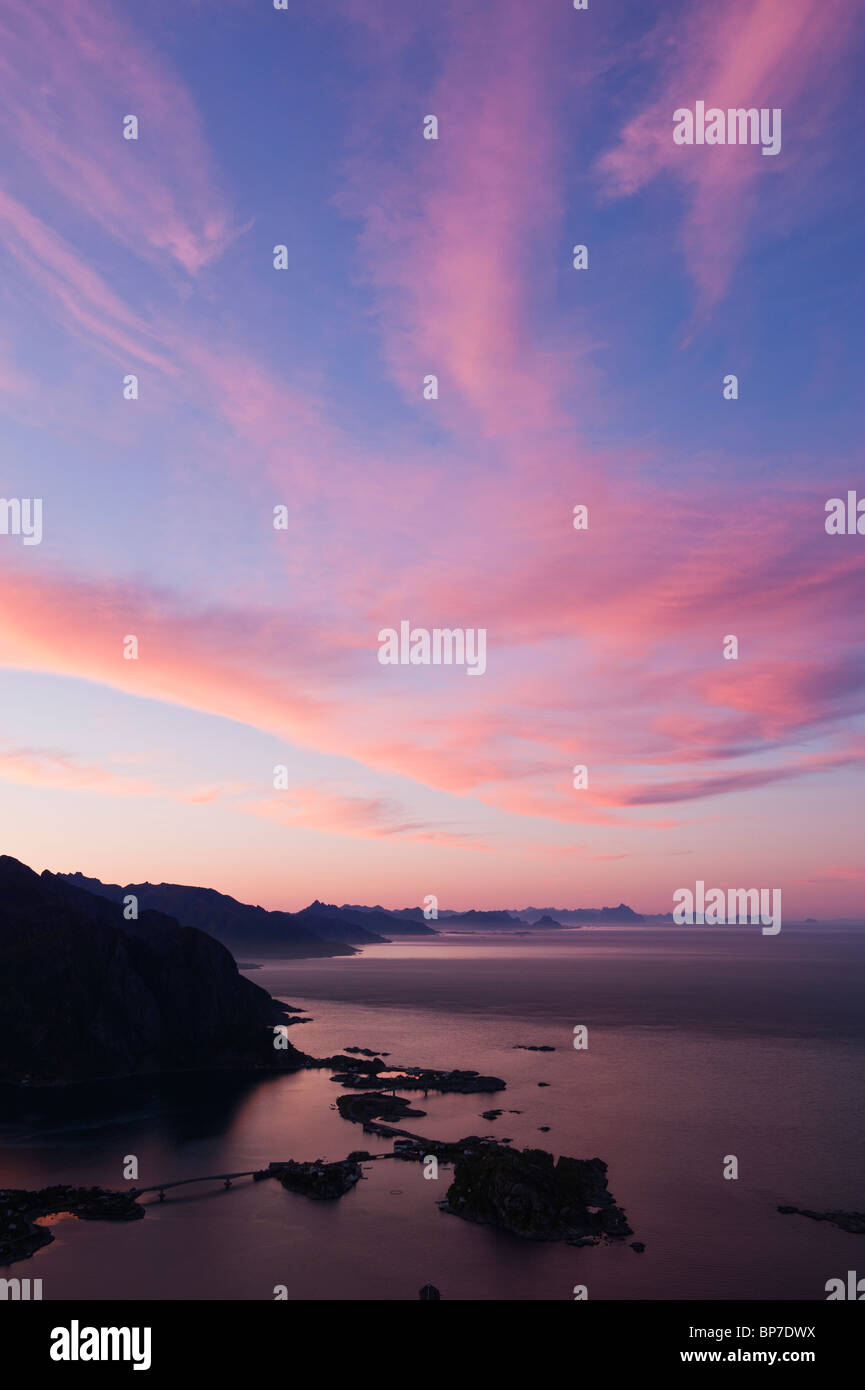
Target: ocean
[(703, 1044)]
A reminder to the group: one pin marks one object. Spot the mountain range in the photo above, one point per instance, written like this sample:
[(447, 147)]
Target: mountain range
[(321, 929), (505, 918), (544, 917), (324, 929)]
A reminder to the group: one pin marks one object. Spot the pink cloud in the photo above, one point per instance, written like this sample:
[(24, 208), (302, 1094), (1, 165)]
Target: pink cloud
[(796, 55), (52, 768), (318, 808), (629, 675), (45, 767), (608, 640), (77, 296), (68, 75), (449, 227)]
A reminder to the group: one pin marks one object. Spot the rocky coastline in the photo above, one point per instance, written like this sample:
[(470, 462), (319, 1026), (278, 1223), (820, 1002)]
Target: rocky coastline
[(526, 1193), (20, 1211)]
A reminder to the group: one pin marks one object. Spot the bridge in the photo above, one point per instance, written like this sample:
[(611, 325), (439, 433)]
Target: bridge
[(225, 1178), (271, 1171)]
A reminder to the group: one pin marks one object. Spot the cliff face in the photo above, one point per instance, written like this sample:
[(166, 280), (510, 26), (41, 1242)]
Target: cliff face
[(85, 994)]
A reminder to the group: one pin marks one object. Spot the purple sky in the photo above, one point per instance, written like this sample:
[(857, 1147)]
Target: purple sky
[(303, 388)]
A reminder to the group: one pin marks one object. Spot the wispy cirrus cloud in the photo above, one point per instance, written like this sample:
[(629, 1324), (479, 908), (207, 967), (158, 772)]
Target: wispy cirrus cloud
[(369, 817), (61, 771), (797, 55), (451, 228), (72, 292), (511, 746), (52, 768), (68, 75)]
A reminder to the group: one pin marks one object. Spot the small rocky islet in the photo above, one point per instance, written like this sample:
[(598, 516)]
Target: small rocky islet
[(359, 1076), (375, 1105), (533, 1195), (851, 1221), (525, 1192), (319, 1180)]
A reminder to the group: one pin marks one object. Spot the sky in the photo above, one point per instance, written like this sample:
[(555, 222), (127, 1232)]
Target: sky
[(303, 388)]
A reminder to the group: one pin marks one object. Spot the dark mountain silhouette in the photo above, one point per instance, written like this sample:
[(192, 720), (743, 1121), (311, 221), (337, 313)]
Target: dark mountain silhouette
[(414, 914), (85, 994), (327, 920), (403, 922), (481, 920), (622, 913), (245, 930)]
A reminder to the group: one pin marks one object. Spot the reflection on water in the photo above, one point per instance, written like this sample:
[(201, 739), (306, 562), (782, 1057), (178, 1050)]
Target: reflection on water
[(173, 1107)]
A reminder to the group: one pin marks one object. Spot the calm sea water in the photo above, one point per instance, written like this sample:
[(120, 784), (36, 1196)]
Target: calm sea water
[(702, 1044)]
